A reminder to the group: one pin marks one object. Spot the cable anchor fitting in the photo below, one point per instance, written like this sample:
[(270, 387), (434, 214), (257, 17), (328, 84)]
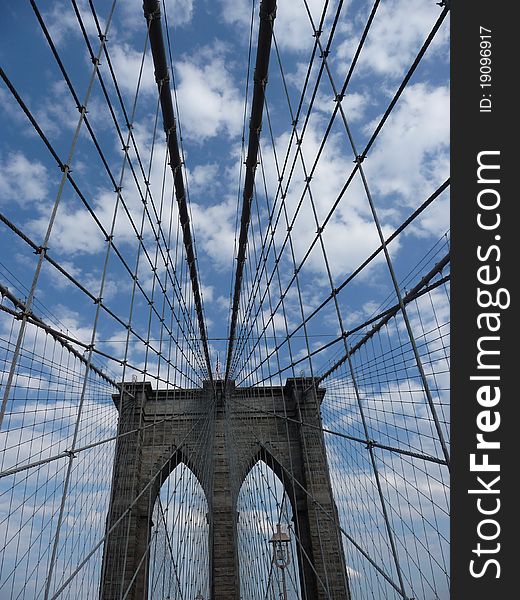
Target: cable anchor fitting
[(171, 129), (163, 80), (153, 15)]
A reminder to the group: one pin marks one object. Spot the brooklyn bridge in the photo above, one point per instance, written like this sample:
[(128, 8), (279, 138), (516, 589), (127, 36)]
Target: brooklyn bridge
[(224, 317)]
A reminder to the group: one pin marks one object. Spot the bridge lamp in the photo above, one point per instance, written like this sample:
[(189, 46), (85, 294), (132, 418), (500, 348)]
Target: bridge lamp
[(281, 556)]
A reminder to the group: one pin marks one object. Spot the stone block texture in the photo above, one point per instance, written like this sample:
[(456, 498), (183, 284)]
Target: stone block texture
[(163, 428)]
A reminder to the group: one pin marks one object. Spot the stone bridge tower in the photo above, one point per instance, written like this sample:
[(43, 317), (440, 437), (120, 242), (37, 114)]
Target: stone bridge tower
[(249, 424)]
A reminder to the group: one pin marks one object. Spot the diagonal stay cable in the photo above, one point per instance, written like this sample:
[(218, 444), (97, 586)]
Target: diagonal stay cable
[(345, 282), (296, 137), (373, 443), (335, 522), (61, 338), (29, 314), (152, 14), (44, 251), (338, 97), (154, 476), (268, 240), (147, 197), (387, 314), (359, 160), (52, 218)]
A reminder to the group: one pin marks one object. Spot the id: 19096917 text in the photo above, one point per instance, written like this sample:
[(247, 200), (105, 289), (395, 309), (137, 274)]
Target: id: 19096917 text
[(485, 103)]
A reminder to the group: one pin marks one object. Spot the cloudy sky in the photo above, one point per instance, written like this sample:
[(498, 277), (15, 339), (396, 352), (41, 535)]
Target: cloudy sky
[(209, 43)]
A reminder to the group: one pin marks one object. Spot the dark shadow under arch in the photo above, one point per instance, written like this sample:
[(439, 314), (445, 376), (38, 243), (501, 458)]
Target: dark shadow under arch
[(168, 462), (264, 455)]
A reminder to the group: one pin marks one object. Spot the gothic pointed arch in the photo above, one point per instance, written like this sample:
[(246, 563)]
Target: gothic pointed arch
[(267, 568), (179, 539)]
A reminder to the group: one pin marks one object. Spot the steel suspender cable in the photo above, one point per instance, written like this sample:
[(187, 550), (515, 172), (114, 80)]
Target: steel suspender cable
[(267, 16), (358, 462), (152, 13)]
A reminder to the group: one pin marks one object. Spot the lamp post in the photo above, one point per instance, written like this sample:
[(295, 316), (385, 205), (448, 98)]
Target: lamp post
[(281, 556)]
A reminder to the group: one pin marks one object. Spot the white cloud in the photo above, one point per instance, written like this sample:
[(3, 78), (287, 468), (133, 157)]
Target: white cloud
[(22, 180), (411, 155), (62, 22), (126, 61), (296, 77), (57, 114), (397, 32), (210, 103), (207, 293), (435, 221), (90, 279), (223, 303), (350, 234), (202, 178), (178, 12), (214, 230), (236, 11), (11, 110), (71, 320), (75, 231), (292, 26)]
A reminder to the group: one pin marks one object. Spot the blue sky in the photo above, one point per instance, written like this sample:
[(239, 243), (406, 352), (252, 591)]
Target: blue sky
[(209, 42)]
